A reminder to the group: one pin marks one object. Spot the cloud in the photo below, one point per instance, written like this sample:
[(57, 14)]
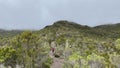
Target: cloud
[(35, 14), (90, 12), (19, 12)]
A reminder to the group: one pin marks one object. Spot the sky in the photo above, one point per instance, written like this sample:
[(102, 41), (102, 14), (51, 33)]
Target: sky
[(36, 14)]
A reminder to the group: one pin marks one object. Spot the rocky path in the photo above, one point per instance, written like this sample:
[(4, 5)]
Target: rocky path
[(57, 63)]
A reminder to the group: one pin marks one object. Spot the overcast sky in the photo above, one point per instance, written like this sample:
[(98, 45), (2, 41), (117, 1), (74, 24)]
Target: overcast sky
[(36, 14)]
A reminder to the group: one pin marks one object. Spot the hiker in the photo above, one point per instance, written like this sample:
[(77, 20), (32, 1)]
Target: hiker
[(53, 50), (53, 47)]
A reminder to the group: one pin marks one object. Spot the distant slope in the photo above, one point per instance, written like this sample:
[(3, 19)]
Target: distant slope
[(111, 30), (9, 33), (71, 28), (64, 28), (109, 27)]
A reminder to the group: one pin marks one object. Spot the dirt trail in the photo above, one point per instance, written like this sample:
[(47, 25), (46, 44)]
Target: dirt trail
[(57, 63)]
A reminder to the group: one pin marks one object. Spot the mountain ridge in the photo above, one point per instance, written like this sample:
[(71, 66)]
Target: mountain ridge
[(72, 28), (63, 26)]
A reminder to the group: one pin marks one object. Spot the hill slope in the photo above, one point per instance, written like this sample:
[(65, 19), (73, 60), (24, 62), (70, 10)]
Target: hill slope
[(71, 28)]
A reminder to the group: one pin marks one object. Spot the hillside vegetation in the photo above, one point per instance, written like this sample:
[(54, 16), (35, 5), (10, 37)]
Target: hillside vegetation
[(80, 46)]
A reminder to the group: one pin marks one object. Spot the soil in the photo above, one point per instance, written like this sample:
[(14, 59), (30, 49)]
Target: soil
[(57, 63)]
